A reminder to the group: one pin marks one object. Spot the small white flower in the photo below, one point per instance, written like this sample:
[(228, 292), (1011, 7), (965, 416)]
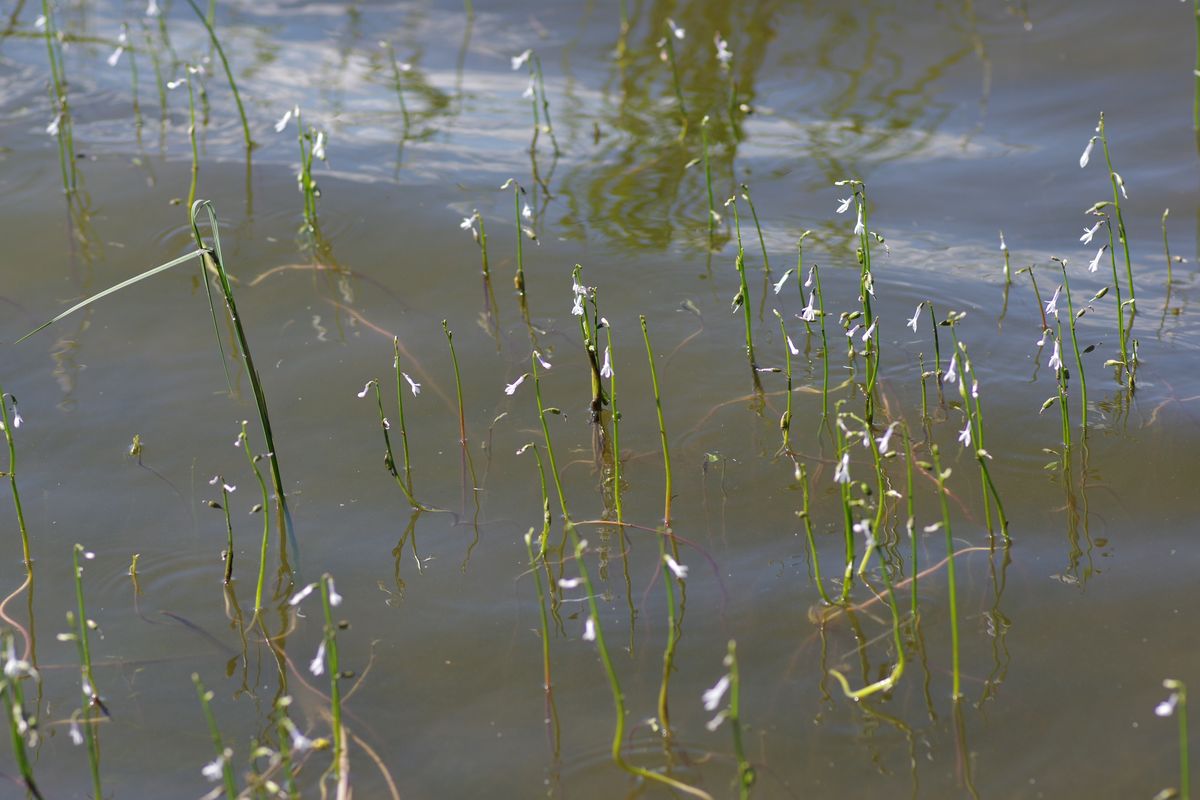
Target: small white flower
[(844, 205), (527, 212), (809, 314), (366, 389), (570, 583), (869, 332), (318, 148), (1042, 341), (577, 306), (1095, 262), (1167, 707), (1003, 244), (529, 90), (543, 362), (511, 388), (1088, 233), (317, 665), (300, 595), (859, 227), (468, 223), (589, 629), (912, 323), (606, 370), (964, 436), (951, 375), (175, 84), (716, 721), (975, 389), (335, 599), (779, 283), (808, 282), (75, 732), (283, 121), (723, 53), (416, 387), (52, 128), (1087, 152), (115, 56), (712, 697), (678, 32), (842, 473), (680, 570), (300, 742), (885, 440), (152, 8), (1055, 362), (792, 346), (40, 22), (1120, 184), (1052, 303), (214, 769), (517, 61)]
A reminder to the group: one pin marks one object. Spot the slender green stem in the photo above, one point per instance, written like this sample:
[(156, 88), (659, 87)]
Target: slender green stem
[(91, 700), (14, 708), (746, 774), (785, 421), (334, 670), (192, 140), (237, 98), (814, 556), (662, 435), (940, 477), (1083, 411), (1118, 188), (7, 424), (713, 216), (223, 753), (264, 506), (762, 243)]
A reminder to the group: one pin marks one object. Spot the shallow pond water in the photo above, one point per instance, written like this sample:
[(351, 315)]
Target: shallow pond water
[(962, 120)]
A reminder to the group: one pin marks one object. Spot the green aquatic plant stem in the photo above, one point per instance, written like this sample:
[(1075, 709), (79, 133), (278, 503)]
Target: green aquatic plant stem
[(1060, 375), (746, 774), (65, 137), (743, 296), (713, 216), (669, 39), (237, 98), (662, 435), (252, 460), (519, 278), (816, 271), (1118, 190), (806, 516), (8, 423), (1122, 336), (889, 681), (14, 710), (762, 243), (785, 421), (843, 452), (284, 729), (462, 414), (334, 670), (1083, 411), (91, 700), (195, 171), (223, 753), (910, 524), (940, 477), (228, 531)]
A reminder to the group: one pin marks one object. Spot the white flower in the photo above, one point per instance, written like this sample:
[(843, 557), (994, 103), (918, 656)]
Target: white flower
[(577, 306), (527, 212), (842, 473), (52, 128), (214, 769), (517, 61), (951, 375), (317, 665), (964, 436), (75, 732), (115, 56), (716, 721), (544, 363), (975, 389), (912, 323), (850, 333), (808, 282), (335, 599), (40, 22), (1056, 357), (589, 629), (318, 148), (680, 570), (723, 53), (864, 528), (152, 8), (1052, 303), (300, 595), (468, 223), (175, 84), (869, 332), (792, 345), (809, 313), (300, 742), (511, 388), (885, 440), (529, 90), (366, 389), (779, 284), (1003, 244), (675, 29), (1167, 707), (1120, 184), (712, 697), (606, 370), (570, 583), (1088, 233), (843, 205), (416, 387), (859, 228), (1095, 263), (283, 121), (1087, 152)]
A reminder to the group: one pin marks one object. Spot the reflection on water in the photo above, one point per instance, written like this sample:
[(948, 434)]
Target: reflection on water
[(625, 130)]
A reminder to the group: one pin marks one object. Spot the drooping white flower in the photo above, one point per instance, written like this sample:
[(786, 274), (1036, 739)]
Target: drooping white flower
[(299, 596), (606, 370), (416, 387), (40, 22), (859, 227), (1120, 184), (792, 345), (1003, 244), (511, 388), (152, 8), (317, 665), (1055, 362), (1167, 707), (912, 323), (468, 223), (808, 281), (570, 583), (366, 389), (842, 473), (75, 733), (844, 204), (543, 362), (577, 306), (589, 629), (869, 332), (335, 599), (850, 333), (1095, 262), (318, 148), (175, 84), (1087, 152), (951, 375), (809, 314), (677, 31), (527, 212), (885, 440), (724, 55), (214, 769), (115, 55), (518, 61), (530, 89), (300, 742), (52, 128), (680, 570), (712, 697), (1052, 303), (1088, 233), (964, 436), (778, 287), (975, 389)]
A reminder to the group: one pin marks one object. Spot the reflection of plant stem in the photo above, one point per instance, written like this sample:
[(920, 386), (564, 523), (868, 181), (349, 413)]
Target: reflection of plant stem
[(808, 533), (940, 478)]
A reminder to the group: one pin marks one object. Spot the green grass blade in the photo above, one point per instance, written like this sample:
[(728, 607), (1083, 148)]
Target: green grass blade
[(110, 290)]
